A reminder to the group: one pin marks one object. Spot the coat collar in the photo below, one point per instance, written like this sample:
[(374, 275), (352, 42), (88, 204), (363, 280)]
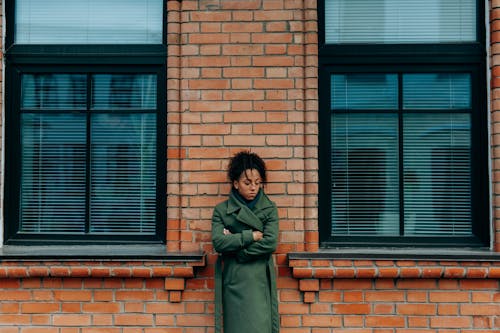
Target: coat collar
[(246, 215), (234, 204)]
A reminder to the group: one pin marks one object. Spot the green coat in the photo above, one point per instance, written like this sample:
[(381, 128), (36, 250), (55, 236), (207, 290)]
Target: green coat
[(246, 286)]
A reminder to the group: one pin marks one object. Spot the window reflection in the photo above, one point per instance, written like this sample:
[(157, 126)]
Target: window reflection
[(53, 92), (123, 91)]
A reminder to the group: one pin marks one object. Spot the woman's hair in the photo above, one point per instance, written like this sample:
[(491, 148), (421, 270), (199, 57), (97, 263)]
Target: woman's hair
[(245, 160)]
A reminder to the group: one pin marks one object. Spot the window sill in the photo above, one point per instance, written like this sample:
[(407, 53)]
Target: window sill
[(97, 252), (369, 263), (395, 263), (141, 261), (439, 254)]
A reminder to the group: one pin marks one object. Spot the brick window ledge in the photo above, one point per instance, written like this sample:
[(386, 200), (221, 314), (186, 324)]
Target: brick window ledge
[(310, 267), (141, 261)]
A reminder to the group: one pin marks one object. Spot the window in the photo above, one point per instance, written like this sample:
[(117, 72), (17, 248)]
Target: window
[(403, 150), (85, 125)]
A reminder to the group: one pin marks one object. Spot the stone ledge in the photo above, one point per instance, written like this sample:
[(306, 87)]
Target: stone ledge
[(102, 262), (328, 265), (309, 268), (95, 252), (378, 253)]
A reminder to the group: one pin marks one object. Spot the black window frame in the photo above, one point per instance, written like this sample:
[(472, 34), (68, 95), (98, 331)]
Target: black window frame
[(407, 58), (87, 59)]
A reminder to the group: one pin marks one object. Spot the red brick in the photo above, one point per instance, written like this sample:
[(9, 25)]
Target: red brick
[(174, 284), (309, 285), (101, 307), (330, 296), (309, 297), (350, 309), (447, 309), (416, 309), (479, 309), (293, 308), (17, 272), (302, 272), (345, 272), (385, 321), (40, 307), (454, 272), (175, 296), (450, 322), (71, 320), (290, 321), (195, 320), (322, 321), (133, 319), (385, 296), (449, 296)]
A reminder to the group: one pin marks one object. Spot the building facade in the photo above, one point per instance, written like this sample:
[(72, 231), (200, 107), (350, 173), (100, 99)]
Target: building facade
[(378, 121)]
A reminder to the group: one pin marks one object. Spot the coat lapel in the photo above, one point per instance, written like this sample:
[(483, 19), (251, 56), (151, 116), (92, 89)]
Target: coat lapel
[(244, 214)]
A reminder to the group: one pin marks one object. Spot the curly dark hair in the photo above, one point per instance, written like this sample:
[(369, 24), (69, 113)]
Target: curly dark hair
[(245, 160)]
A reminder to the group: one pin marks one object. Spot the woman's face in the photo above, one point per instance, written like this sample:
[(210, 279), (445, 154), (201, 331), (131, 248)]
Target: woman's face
[(249, 184)]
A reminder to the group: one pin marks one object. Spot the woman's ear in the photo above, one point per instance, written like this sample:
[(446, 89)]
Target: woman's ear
[(235, 184)]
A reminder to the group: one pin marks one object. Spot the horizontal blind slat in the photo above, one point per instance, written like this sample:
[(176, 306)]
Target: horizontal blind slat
[(123, 183), (53, 172), (400, 21), (89, 22), (437, 174), (365, 199)]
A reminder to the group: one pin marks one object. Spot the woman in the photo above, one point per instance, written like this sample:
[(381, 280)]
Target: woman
[(245, 234)]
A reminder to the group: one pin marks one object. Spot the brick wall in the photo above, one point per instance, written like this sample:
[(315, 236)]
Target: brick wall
[(243, 74)]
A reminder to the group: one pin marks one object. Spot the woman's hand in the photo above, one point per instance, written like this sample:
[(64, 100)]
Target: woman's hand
[(257, 235)]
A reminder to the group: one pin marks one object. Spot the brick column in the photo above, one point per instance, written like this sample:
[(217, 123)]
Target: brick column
[(495, 116)]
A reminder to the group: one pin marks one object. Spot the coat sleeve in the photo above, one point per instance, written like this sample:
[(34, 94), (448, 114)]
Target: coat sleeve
[(228, 243), (267, 244)]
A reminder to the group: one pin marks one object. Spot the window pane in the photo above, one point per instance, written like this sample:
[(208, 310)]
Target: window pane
[(124, 91), (400, 21), (52, 172), (55, 197), (53, 92), (364, 161), (364, 91), (437, 174), (437, 91), (89, 22), (123, 168)]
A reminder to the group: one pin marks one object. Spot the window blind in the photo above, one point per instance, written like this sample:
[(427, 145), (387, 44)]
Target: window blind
[(97, 179), (437, 91), (123, 173), (437, 173), (400, 21), (88, 22), (364, 91), (53, 149), (53, 173), (365, 194), (432, 124)]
